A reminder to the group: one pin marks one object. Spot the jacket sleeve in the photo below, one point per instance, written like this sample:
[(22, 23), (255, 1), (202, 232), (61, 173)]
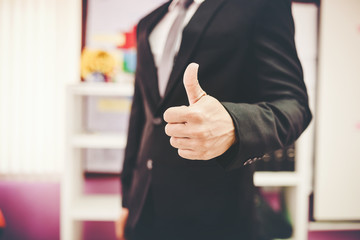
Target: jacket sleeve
[(136, 125), (281, 112)]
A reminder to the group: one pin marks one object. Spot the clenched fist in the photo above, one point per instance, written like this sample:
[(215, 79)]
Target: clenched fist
[(204, 129)]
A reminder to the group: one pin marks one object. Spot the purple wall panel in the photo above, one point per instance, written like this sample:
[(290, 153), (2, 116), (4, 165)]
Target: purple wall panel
[(99, 230), (31, 210), (102, 185), (334, 235)]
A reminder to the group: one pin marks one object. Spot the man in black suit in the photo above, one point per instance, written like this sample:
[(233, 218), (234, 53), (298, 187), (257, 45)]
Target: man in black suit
[(187, 171)]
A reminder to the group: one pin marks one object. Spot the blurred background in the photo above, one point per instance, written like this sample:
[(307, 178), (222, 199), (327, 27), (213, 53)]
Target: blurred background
[(66, 84)]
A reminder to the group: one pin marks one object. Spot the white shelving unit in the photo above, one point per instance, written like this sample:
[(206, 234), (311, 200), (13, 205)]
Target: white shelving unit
[(98, 141), (276, 179), (77, 207), (96, 208)]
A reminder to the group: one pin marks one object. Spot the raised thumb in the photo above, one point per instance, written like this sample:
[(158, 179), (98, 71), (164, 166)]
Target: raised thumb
[(191, 83)]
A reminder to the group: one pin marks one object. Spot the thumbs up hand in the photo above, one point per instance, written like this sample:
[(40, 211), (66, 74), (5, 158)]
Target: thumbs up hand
[(204, 129)]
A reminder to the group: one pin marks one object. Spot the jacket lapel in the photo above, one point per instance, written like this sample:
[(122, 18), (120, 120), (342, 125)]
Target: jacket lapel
[(190, 38), (148, 62)]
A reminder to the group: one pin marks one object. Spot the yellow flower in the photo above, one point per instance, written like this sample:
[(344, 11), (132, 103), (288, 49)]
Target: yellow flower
[(97, 61)]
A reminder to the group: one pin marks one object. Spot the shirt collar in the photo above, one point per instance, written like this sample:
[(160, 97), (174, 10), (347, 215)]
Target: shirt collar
[(174, 3)]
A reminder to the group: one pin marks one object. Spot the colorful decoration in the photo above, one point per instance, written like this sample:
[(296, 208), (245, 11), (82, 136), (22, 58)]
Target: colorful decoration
[(130, 40), (97, 65), (129, 51), (114, 65)]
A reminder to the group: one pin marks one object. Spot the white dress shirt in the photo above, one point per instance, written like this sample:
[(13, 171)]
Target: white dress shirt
[(159, 34)]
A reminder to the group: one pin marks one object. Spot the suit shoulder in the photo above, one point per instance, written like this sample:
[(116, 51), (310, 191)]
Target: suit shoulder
[(259, 5), (275, 3)]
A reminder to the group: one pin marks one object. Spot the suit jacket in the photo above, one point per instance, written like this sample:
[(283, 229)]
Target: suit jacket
[(248, 61)]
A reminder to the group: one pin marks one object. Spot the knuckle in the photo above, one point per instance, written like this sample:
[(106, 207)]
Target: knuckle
[(195, 115), (199, 134), (204, 156), (206, 144), (201, 116), (189, 144), (191, 115), (206, 133), (208, 156), (199, 156)]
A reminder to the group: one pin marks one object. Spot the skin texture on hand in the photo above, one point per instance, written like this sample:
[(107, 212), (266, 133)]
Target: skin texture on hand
[(204, 129), (120, 224)]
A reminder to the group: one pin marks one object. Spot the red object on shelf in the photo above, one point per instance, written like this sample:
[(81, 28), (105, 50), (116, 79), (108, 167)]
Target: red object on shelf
[(130, 39), (2, 220)]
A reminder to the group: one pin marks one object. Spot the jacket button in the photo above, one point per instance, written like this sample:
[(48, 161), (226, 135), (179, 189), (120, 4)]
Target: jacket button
[(149, 164), (157, 121)]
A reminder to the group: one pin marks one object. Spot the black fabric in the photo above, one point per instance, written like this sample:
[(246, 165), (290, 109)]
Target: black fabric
[(248, 61), (151, 227), (144, 228)]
